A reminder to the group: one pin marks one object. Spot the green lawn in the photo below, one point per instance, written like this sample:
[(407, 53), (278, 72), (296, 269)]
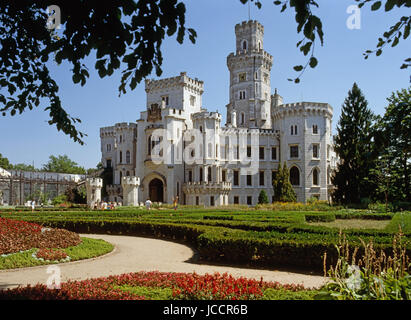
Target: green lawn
[(88, 248)]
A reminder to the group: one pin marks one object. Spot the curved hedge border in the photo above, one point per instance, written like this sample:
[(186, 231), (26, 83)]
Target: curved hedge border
[(300, 246)]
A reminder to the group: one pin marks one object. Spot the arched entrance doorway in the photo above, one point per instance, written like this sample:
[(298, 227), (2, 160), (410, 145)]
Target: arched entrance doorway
[(156, 190)]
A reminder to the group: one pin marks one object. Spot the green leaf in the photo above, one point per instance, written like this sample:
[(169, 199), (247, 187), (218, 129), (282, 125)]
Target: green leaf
[(376, 6), (313, 62), (298, 68)]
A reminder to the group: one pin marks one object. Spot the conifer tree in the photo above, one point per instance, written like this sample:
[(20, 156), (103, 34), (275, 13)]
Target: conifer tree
[(283, 190), (262, 197), (353, 144)]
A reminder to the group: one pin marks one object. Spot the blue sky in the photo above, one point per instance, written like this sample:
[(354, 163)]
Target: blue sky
[(27, 138)]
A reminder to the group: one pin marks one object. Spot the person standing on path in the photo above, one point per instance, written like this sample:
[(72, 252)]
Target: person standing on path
[(175, 202), (148, 204)]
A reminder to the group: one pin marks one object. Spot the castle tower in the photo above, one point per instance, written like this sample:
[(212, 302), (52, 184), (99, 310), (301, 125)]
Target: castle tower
[(250, 86), (130, 190), (93, 188)]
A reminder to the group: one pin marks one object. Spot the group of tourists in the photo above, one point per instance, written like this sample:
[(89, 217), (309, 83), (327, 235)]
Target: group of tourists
[(106, 205)]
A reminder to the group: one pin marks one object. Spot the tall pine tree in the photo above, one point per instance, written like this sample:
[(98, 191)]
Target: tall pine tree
[(353, 144)]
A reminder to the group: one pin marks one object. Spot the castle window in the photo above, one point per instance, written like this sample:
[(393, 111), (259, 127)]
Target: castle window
[(244, 44), (249, 200), (315, 129), (190, 176), (201, 128), (248, 151), (165, 100), (121, 157), (315, 150), (192, 100), (108, 163), (315, 177), (295, 130), (242, 94), (242, 118), (273, 153), (109, 147), (236, 177), (293, 151), (224, 175), (236, 200), (242, 77), (216, 150), (261, 178), (295, 176), (201, 175), (262, 153), (121, 175), (128, 157), (209, 179), (249, 180), (212, 201), (121, 138), (259, 45), (128, 173)]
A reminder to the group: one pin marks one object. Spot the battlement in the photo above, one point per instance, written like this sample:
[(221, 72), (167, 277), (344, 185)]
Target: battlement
[(94, 182), (130, 181), (125, 126), (247, 25), (206, 115), (174, 82), (313, 108), (107, 132)]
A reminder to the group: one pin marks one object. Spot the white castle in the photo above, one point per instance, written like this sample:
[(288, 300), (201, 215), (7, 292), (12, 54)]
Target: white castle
[(178, 148)]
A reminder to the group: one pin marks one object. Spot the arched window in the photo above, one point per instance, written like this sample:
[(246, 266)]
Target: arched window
[(149, 146), (128, 157), (209, 174), (295, 176), (315, 177), (244, 44)]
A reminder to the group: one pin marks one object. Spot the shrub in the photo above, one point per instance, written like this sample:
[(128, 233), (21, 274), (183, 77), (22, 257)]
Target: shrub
[(262, 197)]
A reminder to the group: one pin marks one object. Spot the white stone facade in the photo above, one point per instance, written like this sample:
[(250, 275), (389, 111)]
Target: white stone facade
[(178, 148)]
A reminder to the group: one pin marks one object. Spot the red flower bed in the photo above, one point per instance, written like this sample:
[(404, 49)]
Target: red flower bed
[(51, 254), (20, 235), (187, 286)]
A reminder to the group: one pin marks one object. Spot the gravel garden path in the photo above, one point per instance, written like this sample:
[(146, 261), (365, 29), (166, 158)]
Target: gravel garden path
[(133, 254)]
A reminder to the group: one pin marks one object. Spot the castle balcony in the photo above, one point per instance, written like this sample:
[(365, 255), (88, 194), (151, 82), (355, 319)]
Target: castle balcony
[(206, 187)]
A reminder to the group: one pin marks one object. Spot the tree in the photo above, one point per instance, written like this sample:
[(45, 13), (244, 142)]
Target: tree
[(262, 197), (355, 148), (283, 190), (98, 169), (76, 195), (24, 167), (4, 163), (123, 34), (62, 164), (396, 141)]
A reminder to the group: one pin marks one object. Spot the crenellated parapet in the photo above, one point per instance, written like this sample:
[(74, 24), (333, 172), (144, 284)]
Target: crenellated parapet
[(182, 80), (303, 109)]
